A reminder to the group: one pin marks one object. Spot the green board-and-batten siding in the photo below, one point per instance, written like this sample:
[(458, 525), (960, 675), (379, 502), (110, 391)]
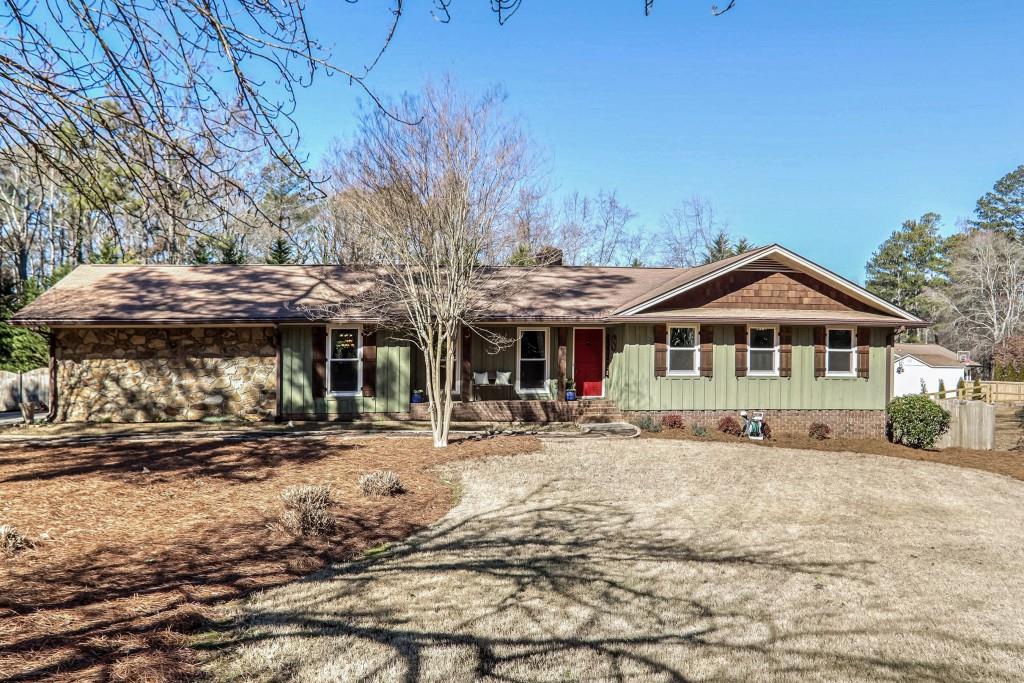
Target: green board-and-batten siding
[(633, 386), (631, 383), (393, 376)]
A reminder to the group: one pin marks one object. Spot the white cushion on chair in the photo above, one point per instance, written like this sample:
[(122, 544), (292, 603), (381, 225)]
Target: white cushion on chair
[(503, 378), (480, 378)]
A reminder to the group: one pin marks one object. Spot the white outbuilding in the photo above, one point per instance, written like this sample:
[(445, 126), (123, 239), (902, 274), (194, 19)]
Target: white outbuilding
[(920, 367)]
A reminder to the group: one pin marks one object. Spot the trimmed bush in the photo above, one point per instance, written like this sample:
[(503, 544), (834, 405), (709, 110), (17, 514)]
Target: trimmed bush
[(916, 421), (819, 431), (730, 425), (307, 510), (673, 422), (12, 540), (978, 395), (380, 483)]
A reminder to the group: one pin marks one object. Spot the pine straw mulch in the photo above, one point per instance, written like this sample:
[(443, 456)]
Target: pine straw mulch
[(135, 542), (1009, 463)]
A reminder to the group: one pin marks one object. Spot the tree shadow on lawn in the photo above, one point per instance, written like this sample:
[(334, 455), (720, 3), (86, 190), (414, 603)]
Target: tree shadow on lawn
[(240, 459), (544, 589)]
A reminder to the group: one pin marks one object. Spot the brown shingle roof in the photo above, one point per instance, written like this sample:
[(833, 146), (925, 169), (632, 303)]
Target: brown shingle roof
[(155, 294), (931, 354)]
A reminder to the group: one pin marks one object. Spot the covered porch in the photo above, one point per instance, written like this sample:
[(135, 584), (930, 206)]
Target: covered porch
[(533, 367)]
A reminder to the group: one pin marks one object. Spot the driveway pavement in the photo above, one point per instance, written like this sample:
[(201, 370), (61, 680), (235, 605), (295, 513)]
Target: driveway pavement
[(645, 560)]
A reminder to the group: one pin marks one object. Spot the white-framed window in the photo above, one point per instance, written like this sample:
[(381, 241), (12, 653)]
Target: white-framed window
[(763, 351), (344, 361), (840, 352), (532, 360), (683, 350)]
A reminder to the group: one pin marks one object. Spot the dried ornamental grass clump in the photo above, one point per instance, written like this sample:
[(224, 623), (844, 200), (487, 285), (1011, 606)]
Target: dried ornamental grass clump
[(730, 425), (307, 509), (380, 483), (12, 540)]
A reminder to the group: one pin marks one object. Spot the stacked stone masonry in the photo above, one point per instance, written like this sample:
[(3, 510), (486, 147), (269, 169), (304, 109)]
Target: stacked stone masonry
[(857, 424), (146, 374)]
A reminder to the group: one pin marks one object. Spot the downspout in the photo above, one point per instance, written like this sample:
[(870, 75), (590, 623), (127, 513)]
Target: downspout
[(889, 341), (51, 415), (279, 392)]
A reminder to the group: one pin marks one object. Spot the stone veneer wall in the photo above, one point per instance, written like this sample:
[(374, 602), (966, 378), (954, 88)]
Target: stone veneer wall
[(858, 424), (152, 374)]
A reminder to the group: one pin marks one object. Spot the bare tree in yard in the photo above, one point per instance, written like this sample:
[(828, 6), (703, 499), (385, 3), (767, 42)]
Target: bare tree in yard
[(983, 305), (693, 234), (437, 199)]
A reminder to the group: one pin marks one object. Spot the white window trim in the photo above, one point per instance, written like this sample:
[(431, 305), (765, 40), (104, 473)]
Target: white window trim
[(547, 359), (853, 353), (775, 349), (696, 352), (359, 361)]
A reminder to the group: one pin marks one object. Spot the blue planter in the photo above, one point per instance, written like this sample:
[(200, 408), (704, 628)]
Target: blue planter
[(418, 398), (570, 395)]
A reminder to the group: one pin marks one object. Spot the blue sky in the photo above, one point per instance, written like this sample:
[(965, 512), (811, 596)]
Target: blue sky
[(818, 125)]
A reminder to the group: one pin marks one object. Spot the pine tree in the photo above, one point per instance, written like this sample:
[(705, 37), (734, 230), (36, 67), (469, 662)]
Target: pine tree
[(201, 253), (742, 246), (280, 253), (907, 263), (108, 253), (978, 395), (961, 388), (719, 248), (942, 388), (1002, 209), (230, 248), (522, 256)]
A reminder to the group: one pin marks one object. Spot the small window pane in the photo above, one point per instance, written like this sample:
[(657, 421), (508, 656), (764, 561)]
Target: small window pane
[(344, 344), (531, 344), (840, 361), (681, 361), (762, 338), (344, 376), (682, 337), (762, 361), (840, 339), (531, 374)]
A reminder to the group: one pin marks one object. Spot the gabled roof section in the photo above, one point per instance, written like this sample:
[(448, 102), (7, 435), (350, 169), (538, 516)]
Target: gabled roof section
[(769, 257)]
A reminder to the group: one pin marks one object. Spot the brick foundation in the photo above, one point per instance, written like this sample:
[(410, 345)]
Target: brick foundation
[(858, 424), (526, 411)]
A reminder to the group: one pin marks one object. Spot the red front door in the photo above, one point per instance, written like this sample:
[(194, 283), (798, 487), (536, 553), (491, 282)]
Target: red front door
[(588, 361)]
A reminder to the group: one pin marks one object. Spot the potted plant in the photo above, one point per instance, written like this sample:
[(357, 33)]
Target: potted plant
[(570, 390), (418, 397)]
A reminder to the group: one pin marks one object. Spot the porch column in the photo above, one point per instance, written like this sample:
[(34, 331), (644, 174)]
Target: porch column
[(467, 364), (563, 333)]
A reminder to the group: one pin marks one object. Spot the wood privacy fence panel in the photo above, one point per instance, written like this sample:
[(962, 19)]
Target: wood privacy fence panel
[(33, 385), (972, 424)]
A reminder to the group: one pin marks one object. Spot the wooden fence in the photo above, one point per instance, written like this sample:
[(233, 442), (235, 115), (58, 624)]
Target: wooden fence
[(989, 392), (972, 424), (33, 386)]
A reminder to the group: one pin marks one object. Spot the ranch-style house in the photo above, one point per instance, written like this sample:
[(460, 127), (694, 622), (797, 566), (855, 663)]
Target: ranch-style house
[(767, 330)]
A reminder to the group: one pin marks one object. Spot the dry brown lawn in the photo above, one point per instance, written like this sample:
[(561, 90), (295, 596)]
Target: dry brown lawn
[(659, 560), (1007, 462), (134, 541)]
